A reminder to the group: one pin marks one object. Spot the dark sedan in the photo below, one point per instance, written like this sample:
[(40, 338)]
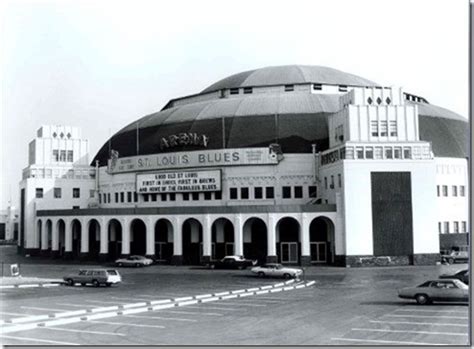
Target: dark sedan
[(462, 275), (445, 290), (232, 262)]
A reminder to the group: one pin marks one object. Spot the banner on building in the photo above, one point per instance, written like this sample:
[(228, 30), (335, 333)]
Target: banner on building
[(177, 182)]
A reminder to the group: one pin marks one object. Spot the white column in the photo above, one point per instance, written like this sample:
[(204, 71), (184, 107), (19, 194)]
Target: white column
[(306, 221), (84, 237), (104, 236), (177, 237), (126, 237), (206, 236), (271, 235), (238, 235), (67, 236), (55, 237), (150, 238), (44, 235)]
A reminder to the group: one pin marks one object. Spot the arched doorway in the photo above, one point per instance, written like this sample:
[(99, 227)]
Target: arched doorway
[(192, 242), (39, 232), (255, 240), (94, 239), (138, 237), (222, 238), (321, 240), (115, 239), (163, 241), (61, 227), (76, 229), (49, 233), (288, 241)]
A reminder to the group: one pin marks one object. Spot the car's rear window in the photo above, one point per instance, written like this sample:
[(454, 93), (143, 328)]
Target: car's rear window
[(425, 284), (112, 272)]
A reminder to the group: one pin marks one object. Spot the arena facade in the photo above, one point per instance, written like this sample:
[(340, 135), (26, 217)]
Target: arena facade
[(296, 164)]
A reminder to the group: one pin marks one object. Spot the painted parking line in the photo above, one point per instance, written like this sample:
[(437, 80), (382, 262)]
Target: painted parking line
[(384, 341), (409, 331), (125, 324), (47, 309), (241, 303), (106, 302), (190, 312), (430, 317), (37, 340), (419, 323), (83, 331), (160, 318)]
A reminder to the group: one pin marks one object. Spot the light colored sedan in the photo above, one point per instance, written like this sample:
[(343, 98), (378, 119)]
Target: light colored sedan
[(276, 270), (445, 290), (133, 261)]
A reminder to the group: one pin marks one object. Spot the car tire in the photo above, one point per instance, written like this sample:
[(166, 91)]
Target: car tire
[(287, 276), (83, 284), (119, 265), (108, 284), (70, 282), (138, 265), (240, 267), (261, 274), (95, 283), (451, 261), (422, 299)]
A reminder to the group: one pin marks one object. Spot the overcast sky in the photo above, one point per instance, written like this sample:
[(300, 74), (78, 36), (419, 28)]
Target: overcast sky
[(100, 65)]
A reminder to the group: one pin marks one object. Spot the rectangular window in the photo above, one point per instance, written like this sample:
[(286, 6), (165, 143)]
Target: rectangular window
[(108, 198), (339, 180), (234, 91), (332, 182), (135, 197), (145, 197), (233, 194), (455, 190), (349, 153), (462, 190), (218, 195), (446, 227), (76, 193), (62, 156), (317, 87), (57, 193), (445, 190), (172, 197), (369, 153), (39, 193), (122, 196), (407, 153), (440, 228), (164, 197), (463, 227), (438, 190), (269, 192), (360, 152), (244, 193), (456, 227), (70, 156), (185, 196), (289, 88), (104, 198), (195, 196), (153, 197), (117, 197), (393, 128), (342, 88), (207, 195), (388, 153), (298, 192), (383, 128), (378, 153), (129, 196), (258, 193), (248, 90), (312, 191), (91, 193), (100, 199), (374, 128), (325, 182), (397, 152), (286, 193), (56, 155)]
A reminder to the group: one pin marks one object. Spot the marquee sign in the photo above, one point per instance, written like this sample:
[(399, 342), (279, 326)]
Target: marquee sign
[(204, 158), (176, 182)]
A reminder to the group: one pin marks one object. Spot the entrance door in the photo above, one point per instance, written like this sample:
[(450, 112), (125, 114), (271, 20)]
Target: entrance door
[(229, 248), (160, 251), (318, 252), (289, 252)]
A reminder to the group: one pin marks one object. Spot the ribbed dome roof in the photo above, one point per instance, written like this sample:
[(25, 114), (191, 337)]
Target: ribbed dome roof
[(289, 74)]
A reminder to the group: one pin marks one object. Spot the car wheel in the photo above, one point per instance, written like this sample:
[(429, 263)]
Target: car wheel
[(261, 274), (240, 267), (119, 265), (451, 261), (70, 282), (422, 299), (137, 265), (108, 284), (95, 283), (287, 276), (83, 284)]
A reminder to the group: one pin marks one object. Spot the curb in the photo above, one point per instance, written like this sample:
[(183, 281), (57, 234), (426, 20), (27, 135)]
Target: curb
[(45, 284)]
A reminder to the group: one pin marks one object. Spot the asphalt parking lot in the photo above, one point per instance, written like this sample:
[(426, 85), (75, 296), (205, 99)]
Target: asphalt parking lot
[(157, 305)]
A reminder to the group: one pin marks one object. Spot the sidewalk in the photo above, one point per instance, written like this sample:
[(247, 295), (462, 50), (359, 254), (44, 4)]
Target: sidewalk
[(15, 281)]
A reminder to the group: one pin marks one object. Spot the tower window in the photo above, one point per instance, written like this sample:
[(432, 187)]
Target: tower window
[(269, 192), (312, 191), (298, 192), (39, 193), (233, 194), (244, 193), (70, 156), (393, 128), (383, 128), (76, 193), (258, 193), (286, 192), (374, 128)]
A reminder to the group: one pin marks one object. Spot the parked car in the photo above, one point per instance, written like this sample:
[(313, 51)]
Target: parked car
[(276, 270), (456, 256), (233, 262), (95, 277), (462, 275), (133, 261), (444, 290)]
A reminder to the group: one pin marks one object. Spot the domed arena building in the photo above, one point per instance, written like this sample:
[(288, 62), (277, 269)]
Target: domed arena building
[(296, 164)]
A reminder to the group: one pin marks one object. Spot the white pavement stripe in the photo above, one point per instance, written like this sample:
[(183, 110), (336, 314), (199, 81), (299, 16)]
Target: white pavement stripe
[(241, 303), (160, 318), (37, 340), (384, 341), (190, 312), (77, 305), (408, 331), (125, 324), (14, 314), (46, 309), (419, 323), (214, 308), (83, 331), (430, 317), (434, 311)]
